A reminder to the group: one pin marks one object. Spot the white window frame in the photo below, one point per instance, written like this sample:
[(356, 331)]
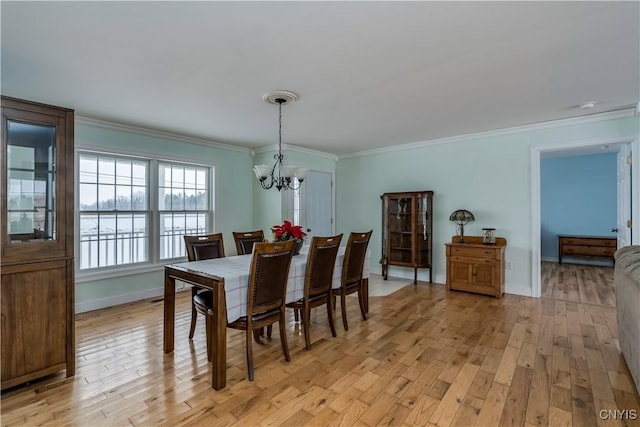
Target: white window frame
[(154, 263), (159, 212), (146, 212)]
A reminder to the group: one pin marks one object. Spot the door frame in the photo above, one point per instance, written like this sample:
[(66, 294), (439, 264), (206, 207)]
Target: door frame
[(536, 151)]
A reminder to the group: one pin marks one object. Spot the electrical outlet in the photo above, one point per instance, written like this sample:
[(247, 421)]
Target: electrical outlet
[(508, 265)]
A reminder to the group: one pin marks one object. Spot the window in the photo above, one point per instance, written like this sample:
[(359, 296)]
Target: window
[(183, 205), (124, 222), (113, 208)]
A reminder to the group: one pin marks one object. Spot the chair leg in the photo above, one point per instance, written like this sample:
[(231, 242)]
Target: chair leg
[(207, 328), (257, 335), (306, 314), (332, 323), (249, 354), (343, 306), (194, 313), (295, 314), (283, 337), (363, 309), (269, 330)]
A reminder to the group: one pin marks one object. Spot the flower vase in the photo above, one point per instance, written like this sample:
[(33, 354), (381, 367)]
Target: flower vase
[(296, 249)]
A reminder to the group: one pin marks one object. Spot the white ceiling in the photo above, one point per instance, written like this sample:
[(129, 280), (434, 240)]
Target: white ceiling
[(368, 74)]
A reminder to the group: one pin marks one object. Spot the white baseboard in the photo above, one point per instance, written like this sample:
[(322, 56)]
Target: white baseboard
[(407, 273), (126, 298), (579, 260), (522, 290), (118, 299)]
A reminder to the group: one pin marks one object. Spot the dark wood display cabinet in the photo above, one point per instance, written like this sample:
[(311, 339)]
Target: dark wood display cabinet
[(476, 267), (407, 231), (36, 251)]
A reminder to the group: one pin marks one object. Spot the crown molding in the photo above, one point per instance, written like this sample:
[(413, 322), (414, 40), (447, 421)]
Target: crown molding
[(90, 121), (574, 121), (296, 149)]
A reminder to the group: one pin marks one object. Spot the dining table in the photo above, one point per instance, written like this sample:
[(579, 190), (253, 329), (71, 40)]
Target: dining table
[(228, 279)]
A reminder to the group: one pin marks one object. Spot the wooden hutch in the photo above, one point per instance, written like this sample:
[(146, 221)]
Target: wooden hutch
[(37, 248)]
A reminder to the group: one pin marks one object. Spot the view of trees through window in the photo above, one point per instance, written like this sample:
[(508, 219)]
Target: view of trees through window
[(115, 212)]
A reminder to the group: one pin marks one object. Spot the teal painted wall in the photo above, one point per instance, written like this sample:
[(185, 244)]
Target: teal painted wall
[(490, 176), (240, 203), (578, 195), (233, 202)]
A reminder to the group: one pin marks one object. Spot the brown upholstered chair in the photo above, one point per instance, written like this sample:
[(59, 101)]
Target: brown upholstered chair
[(199, 248), (317, 282), (352, 266), (266, 296), (246, 239)]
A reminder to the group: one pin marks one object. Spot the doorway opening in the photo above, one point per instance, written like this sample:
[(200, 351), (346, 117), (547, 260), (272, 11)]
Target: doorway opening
[(626, 206)]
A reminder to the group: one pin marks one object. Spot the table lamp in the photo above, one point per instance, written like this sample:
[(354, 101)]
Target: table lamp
[(460, 218)]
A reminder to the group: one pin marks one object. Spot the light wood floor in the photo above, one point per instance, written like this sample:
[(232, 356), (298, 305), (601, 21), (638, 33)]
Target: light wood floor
[(424, 357), (580, 283)]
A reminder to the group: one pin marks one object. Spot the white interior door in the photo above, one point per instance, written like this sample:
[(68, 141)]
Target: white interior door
[(624, 195), (316, 204)]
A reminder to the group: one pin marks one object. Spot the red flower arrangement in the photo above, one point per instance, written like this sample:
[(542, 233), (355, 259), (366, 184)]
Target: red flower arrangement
[(287, 231)]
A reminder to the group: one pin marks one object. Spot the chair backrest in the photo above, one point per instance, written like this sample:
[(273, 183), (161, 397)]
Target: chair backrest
[(354, 256), (268, 276), (246, 239), (321, 262), (208, 246)]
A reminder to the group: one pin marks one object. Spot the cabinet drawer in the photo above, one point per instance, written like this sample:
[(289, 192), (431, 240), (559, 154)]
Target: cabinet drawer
[(589, 250), (473, 260), (474, 252), (589, 242)]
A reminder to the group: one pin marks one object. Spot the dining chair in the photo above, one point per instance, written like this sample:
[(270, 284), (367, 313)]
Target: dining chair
[(246, 239), (266, 294), (317, 282), (352, 268), (207, 246)]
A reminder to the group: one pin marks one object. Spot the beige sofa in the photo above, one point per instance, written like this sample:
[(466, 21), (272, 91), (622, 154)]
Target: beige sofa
[(627, 282)]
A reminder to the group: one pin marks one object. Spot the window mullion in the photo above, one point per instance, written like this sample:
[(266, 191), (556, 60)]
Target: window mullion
[(153, 214)]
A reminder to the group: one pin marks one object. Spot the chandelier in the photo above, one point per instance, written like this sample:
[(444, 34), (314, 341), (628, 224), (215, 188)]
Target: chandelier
[(280, 175)]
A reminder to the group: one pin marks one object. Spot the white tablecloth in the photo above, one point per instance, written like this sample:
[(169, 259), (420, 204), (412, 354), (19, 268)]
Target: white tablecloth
[(235, 271)]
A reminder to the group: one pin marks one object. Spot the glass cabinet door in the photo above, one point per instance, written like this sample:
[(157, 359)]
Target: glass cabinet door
[(399, 223), (423, 230), (30, 181)]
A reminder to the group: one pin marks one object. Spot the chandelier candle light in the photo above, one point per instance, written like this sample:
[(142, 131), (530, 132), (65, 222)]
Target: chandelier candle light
[(279, 175)]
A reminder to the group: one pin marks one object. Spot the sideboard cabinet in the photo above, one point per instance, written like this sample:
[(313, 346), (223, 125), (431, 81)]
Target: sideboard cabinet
[(592, 247), (407, 231), (36, 251), (476, 267)]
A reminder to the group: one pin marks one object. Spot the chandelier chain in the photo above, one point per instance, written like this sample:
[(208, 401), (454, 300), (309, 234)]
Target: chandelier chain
[(286, 176)]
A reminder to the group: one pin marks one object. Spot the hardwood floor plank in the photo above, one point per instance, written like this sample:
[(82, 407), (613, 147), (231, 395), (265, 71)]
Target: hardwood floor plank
[(424, 357), (515, 407), (492, 408)]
